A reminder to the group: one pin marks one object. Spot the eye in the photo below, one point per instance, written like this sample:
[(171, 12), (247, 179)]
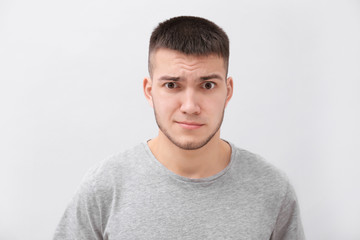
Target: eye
[(171, 85), (208, 85)]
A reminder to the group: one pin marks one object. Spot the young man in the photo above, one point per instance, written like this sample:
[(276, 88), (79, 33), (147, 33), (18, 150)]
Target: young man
[(186, 183)]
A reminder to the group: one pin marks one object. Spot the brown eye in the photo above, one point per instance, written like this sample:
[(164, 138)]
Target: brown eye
[(170, 85), (208, 85)]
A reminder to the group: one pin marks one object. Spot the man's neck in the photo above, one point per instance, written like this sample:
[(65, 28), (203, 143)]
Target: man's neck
[(200, 163)]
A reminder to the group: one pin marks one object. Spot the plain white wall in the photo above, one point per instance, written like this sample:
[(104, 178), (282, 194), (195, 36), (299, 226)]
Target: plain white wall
[(71, 94)]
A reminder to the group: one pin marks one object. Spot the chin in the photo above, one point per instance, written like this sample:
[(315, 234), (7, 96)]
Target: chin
[(189, 144)]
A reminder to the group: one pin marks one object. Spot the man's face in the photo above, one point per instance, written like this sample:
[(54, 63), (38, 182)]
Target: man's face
[(189, 95)]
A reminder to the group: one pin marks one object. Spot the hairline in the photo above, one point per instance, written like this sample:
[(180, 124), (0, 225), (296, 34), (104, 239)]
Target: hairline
[(154, 50)]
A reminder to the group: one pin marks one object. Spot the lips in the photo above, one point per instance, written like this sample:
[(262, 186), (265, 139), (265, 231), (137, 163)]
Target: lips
[(190, 125)]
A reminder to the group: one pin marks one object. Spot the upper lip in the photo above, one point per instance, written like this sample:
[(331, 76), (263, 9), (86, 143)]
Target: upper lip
[(190, 123)]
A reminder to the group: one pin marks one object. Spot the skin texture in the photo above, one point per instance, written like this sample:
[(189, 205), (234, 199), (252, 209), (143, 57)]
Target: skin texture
[(189, 95)]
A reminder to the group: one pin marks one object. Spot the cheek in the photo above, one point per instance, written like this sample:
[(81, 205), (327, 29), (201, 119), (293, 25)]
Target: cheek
[(215, 105), (164, 106)]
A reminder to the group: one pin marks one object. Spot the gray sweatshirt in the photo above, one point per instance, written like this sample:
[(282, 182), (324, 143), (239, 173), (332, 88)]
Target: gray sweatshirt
[(131, 195)]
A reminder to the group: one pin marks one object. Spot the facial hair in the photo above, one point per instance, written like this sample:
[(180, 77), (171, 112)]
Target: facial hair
[(188, 145)]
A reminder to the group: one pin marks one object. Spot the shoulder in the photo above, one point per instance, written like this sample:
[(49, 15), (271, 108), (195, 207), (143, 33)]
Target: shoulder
[(273, 189), (113, 170), (253, 169)]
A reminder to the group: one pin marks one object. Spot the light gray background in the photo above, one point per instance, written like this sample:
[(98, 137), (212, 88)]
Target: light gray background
[(71, 94)]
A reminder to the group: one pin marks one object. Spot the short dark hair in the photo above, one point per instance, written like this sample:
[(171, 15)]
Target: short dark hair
[(190, 35)]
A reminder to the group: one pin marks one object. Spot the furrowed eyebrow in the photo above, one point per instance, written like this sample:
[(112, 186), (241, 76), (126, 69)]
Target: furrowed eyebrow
[(204, 78), (169, 78), (212, 76)]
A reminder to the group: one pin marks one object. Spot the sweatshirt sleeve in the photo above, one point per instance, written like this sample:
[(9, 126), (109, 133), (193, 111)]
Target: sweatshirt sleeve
[(82, 218), (288, 224)]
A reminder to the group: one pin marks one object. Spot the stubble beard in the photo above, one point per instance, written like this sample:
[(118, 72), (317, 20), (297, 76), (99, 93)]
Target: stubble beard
[(188, 145)]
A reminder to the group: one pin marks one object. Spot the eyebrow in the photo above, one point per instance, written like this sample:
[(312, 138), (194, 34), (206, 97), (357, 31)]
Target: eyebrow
[(212, 76), (169, 78), (204, 78)]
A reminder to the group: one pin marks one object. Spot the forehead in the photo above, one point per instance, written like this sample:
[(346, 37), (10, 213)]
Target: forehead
[(170, 60)]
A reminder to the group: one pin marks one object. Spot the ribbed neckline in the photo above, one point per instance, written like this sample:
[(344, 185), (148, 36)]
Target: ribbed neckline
[(168, 172)]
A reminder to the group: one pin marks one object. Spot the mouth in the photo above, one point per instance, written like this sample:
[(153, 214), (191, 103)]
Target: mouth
[(190, 125)]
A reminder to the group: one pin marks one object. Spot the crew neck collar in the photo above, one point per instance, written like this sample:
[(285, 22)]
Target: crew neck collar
[(170, 173)]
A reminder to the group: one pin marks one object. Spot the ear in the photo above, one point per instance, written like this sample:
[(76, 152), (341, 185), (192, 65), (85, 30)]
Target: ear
[(229, 87), (147, 85)]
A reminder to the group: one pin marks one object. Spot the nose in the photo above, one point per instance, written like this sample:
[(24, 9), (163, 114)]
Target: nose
[(190, 103)]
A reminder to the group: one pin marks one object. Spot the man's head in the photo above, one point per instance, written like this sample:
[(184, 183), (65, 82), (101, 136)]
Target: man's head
[(191, 36), (188, 85)]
